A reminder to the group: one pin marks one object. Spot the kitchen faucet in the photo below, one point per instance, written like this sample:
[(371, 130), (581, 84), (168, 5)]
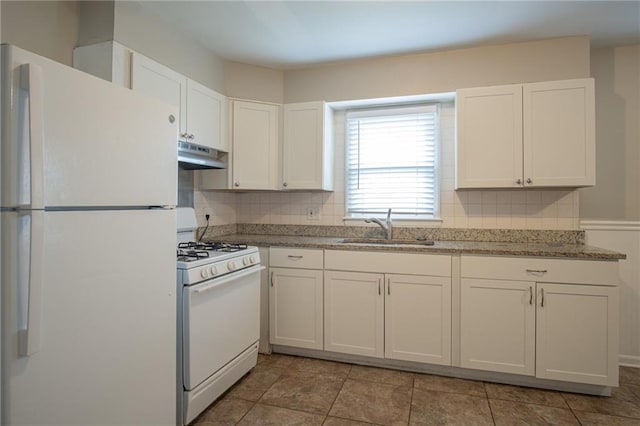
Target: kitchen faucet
[(387, 227)]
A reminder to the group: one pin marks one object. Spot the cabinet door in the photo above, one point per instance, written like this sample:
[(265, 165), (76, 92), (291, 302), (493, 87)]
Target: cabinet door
[(255, 145), (577, 333), (418, 319), (307, 153), (206, 116), (559, 133), (354, 313), (489, 137), (497, 325), (295, 308), (156, 80)]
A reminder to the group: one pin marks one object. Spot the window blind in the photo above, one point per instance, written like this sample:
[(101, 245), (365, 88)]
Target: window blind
[(392, 161)]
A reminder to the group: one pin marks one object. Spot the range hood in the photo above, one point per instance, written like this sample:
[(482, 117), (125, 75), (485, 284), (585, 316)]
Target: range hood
[(196, 157)]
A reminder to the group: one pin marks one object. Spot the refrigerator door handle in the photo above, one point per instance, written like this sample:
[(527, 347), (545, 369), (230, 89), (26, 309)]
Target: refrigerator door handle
[(29, 323), (31, 81)]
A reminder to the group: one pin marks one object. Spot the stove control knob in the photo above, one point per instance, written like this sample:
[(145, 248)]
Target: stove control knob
[(231, 265), (246, 261), (204, 273), (252, 259), (213, 270)]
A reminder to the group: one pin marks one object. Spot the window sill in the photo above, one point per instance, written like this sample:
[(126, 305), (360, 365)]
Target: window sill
[(406, 222)]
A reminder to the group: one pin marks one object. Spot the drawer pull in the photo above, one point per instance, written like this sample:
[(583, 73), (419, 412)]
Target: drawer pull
[(536, 271), (530, 295), (294, 257), (542, 301)]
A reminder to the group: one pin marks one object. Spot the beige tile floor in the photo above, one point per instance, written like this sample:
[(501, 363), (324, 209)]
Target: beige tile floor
[(287, 390)]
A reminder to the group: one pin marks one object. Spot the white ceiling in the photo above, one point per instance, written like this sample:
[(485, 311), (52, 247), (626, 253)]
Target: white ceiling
[(293, 34)]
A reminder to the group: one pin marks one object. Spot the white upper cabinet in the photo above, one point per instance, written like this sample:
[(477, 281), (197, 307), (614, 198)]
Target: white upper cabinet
[(559, 133), (489, 137), (255, 136), (206, 116), (202, 110), (526, 135), (307, 158), (163, 83)]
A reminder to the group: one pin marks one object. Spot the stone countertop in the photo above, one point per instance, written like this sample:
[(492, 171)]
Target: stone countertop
[(557, 250)]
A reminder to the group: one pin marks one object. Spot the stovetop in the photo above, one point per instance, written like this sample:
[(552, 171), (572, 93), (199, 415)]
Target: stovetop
[(191, 255), (193, 251)]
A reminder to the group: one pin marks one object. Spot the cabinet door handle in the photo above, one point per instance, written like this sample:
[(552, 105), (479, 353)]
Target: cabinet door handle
[(284, 184), (542, 301), (236, 184), (529, 181), (271, 279), (379, 283), (519, 182), (536, 271), (292, 257), (530, 295), (389, 286)]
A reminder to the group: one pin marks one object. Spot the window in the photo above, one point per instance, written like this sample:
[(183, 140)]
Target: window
[(392, 161)]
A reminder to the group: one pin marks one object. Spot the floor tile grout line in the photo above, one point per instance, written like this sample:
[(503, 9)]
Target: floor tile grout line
[(340, 390)]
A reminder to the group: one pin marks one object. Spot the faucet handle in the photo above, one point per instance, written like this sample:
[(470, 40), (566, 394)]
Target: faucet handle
[(389, 216)]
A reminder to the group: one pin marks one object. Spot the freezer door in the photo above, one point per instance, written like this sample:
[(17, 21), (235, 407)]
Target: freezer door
[(74, 140), (106, 318)]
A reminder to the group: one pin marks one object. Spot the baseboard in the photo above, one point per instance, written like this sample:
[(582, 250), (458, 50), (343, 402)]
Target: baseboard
[(629, 361)]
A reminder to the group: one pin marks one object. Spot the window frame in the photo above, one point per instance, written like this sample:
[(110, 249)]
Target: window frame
[(389, 110)]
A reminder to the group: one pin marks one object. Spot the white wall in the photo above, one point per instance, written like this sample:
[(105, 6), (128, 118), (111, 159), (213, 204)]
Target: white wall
[(48, 28), (624, 237), (445, 71), (138, 28), (617, 193)]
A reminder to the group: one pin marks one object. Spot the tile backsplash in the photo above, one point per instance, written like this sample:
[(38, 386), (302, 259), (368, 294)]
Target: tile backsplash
[(496, 209)]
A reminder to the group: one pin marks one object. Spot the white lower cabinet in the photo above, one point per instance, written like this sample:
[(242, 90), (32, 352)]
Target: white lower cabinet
[(497, 326), (559, 331), (388, 315), (354, 313), (418, 319), (296, 298), (577, 333)]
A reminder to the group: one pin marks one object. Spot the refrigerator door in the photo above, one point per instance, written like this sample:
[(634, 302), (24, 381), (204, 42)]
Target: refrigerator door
[(72, 140), (103, 322)]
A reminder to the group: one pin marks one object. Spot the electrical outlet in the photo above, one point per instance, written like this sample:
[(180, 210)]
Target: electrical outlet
[(207, 212), (313, 213)]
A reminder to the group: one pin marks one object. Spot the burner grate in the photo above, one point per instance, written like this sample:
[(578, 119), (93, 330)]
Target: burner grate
[(187, 254), (212, 246)]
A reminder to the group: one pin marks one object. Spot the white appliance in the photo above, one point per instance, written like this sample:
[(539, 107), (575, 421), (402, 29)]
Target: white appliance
[(88, 176), (218, 316)]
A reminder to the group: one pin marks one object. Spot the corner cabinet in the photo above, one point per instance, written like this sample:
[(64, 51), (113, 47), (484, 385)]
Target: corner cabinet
[(526, 135), (400, 309), (255, 131), (307, 153), (548, 318), (202, 110)]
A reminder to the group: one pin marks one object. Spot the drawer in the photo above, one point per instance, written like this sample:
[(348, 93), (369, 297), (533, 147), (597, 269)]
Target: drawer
[(389, 263), (540, 269), (284, 257)]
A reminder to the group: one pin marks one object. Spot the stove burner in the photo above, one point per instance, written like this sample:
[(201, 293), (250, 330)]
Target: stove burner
[(192, 251), (188, 254)]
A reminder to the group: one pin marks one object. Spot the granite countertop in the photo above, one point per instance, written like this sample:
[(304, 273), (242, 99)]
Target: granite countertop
[(557, 250)]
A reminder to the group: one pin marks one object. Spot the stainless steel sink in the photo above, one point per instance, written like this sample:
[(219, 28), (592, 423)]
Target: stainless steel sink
[(386, 242)]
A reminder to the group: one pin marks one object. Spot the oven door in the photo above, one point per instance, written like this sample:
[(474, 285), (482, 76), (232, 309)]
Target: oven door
[(221, 318)]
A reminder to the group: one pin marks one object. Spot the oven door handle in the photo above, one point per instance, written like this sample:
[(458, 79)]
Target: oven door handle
[(228, 278)]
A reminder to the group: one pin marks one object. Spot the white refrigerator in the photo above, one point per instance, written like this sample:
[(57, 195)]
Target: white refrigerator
[(88, 173)]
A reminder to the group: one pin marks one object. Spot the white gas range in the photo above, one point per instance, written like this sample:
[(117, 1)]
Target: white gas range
[(218, 317)]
